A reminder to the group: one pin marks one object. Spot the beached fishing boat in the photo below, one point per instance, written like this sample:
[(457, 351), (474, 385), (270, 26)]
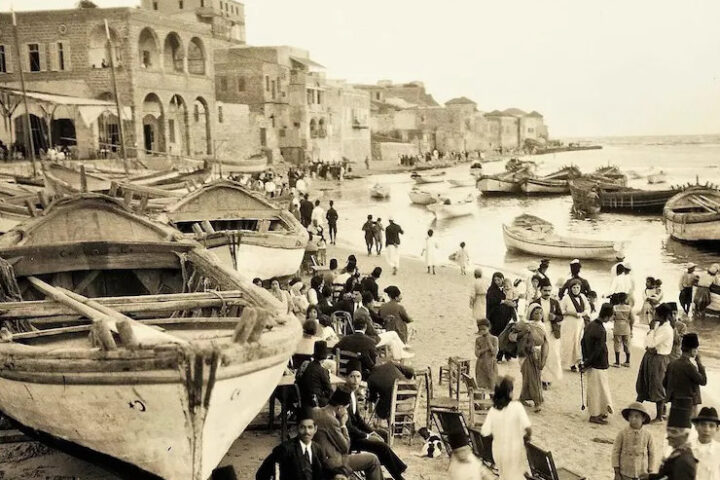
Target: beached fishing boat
[(553, 184), (241, 227), (124, 338), (421, 197), (448, 208), (380, 191), (592, 197), (694, 215), (504, 183), (428, 178), (537, 237), (613, 173)]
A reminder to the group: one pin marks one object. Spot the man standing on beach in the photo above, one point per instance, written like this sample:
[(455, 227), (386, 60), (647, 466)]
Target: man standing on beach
[(318, 214), (332, 217), (595, 366), (392, 244), (306, 208), (369, 229)]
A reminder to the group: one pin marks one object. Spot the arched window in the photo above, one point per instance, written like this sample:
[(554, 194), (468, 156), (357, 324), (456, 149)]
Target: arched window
[(196, 57), (173, 53), (148, 49)]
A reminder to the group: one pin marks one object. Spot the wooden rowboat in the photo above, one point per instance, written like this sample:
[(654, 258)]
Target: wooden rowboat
[(431, 178), (545, 242), (448, 208), (694, 215), (380, 191), (421, 197), (593, 197), (499, 184), (122, 337), (658, 177), (555, 183), (244, 229)]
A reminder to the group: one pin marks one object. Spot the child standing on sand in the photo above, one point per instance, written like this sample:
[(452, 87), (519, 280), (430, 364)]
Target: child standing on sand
[(486, 350), (633, 453), (462, 258), (622, 331)]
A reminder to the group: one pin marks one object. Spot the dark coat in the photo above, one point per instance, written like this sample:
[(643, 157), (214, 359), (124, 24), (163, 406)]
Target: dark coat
[(368, 228), (357, 426), (362, 344), (369, 284), (306, 208), (392, 234), (346, 305), (314, 383), (557, 315), (498, 314), (288, 455), (584, 286), (395, 309), (331, 216), (680, 465), (594, 346), (381, 382), (683, 379)]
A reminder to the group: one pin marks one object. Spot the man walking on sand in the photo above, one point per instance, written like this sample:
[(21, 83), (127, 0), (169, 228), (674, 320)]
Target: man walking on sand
[(392, 244), (595, 366), (332, 217)]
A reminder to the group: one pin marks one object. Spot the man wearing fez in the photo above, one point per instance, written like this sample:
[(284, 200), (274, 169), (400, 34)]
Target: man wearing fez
[(683, 378), (299, 458), (334, 438), (313, 380), (362, 436), (681, 464)]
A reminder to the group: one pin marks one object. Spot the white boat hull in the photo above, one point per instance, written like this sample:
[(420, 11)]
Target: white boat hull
[(145, 424), (443, 211), (657, 178), (422, 198), (555, 249), (494, 185), (261, 261), (469, 182), (541, 188), (693, 232)]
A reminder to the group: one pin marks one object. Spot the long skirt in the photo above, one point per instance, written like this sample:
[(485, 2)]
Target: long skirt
[(486, 371), (553, 367), (570, 337), (531, 378), (649, 384), (599, 400)]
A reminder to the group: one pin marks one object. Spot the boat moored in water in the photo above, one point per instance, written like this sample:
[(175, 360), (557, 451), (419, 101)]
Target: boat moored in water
[(380, 191)]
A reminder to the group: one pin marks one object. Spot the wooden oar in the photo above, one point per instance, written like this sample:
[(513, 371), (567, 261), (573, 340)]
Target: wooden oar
[(89, 308)]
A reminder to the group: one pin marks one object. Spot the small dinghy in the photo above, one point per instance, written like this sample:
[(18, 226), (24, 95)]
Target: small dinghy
[(428, 178), (422, 197), (380, 191), (694, 215), (535, 236), (657, 177), (448, 208)]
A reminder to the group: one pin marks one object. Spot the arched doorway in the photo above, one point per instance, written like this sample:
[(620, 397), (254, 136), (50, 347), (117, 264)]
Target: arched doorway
[(201, 124), (178, 126), (153, 118), (149, 49), (173, 53), (196, 57)]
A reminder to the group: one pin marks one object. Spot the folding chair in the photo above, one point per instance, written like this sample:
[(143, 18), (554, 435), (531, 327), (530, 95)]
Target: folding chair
[(342, 357), (542, 466), (479, 400), (447, 421), (430, 400), (403, 409), (482, 447)]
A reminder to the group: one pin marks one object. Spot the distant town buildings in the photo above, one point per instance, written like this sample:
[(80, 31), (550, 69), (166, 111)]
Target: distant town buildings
[(191, 87)]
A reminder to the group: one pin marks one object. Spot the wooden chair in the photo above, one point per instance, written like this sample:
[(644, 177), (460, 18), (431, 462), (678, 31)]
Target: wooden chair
[(482, 447), (479, 401), (403, 409), (342, 323), (447, 421), (430, 400), (342, 357), (542, 466), (456, 367)]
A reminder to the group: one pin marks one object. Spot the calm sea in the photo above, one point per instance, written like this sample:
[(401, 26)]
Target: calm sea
[(649, 249)]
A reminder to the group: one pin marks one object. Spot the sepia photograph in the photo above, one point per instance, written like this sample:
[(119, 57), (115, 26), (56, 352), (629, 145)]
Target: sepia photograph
[(379, 240)]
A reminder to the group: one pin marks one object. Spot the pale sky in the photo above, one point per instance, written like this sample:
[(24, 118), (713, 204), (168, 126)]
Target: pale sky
[(601, 67)]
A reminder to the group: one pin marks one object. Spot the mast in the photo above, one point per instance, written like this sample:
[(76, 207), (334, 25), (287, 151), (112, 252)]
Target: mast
[(117, 98), (28, 133)]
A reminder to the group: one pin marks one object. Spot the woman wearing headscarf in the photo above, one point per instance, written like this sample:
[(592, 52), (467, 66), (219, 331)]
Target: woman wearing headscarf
[(658, 346), (499, 310), (575, 308), (509, 426), (478, 295), (280, 294), (533, 350)]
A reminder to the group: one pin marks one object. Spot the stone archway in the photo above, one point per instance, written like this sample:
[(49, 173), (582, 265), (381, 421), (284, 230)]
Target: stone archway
[(173, 54), (149, 49), (153, 122), (196, 57), (178, 126), (202, 143), (98, 48)]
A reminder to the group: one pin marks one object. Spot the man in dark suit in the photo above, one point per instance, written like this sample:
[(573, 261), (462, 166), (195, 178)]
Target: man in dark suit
[(299, 458), (313, 380), (360, 343), (362, 436), (350, 303), (381, 382), (682, 378), (306, 208), (369, 283)]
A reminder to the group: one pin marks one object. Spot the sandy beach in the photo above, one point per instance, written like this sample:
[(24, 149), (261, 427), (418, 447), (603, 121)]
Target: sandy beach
[(443, 327)]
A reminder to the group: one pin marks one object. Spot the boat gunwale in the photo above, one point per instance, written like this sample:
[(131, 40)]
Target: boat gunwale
[(511, 231)]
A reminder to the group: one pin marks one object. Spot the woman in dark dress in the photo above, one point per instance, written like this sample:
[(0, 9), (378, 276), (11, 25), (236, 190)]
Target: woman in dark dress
[(499, 311)]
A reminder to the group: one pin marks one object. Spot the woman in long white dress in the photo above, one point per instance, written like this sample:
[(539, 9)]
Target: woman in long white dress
[(508, 424), (431, 252), (575, 308)]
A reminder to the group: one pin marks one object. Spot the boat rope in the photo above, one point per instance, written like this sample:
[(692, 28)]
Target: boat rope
[(9, 289), (224, 308)]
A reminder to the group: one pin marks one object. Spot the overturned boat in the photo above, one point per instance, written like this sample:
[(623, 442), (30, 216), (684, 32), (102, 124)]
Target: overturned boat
[(241, 227), (121, 337)]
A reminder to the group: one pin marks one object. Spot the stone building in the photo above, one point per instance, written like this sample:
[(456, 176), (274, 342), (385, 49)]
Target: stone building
[(511, 128), (164, 70)]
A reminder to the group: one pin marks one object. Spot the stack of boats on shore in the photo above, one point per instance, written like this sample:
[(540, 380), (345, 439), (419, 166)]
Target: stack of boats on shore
[(124, 337)]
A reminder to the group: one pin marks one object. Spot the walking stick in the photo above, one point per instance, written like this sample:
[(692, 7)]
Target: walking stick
[(582, 388)]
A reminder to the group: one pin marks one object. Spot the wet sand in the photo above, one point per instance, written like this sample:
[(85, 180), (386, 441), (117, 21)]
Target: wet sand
[(439, 306)]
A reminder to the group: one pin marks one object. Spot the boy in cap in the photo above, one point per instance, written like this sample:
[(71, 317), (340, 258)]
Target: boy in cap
[(464, 465), (687, 282), (633, 451), (622, 329), (683, 378), (706, 448), (681, 464)]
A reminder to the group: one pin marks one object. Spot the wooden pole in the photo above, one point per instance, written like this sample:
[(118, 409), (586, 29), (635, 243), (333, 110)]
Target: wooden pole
[(28, 133), (117, 98)]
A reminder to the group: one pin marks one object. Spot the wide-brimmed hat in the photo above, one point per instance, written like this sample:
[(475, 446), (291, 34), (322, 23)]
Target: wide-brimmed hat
[(636, 407), (707, 414)]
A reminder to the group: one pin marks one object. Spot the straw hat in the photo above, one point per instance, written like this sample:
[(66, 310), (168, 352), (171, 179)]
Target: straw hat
[(636, 407)]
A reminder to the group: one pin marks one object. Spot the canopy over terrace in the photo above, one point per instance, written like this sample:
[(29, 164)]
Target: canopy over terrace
[(53, 119)]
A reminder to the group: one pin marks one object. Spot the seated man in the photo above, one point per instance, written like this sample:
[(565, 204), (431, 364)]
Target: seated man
[(313, 380), (381, 382), (299, 458), (333, 437), (362, 436), (360, 343)]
